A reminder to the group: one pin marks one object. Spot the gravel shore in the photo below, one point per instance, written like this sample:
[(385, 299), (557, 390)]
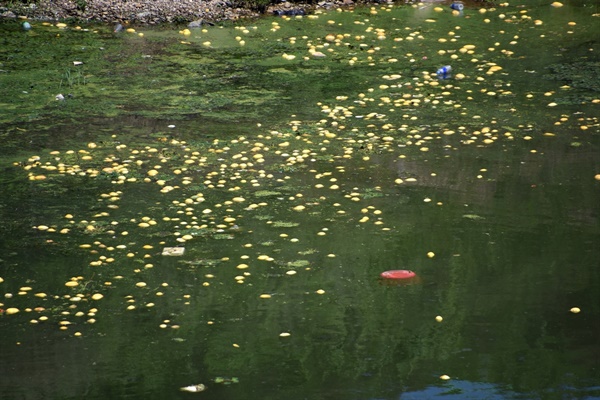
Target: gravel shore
[(140, 11)]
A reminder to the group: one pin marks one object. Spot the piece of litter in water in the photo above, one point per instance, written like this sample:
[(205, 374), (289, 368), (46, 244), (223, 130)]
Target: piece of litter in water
[(193, 388), (173, 251)]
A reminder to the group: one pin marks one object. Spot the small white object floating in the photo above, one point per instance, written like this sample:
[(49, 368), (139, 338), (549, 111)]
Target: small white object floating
[(77, 63), (193, 388), (173, 251)]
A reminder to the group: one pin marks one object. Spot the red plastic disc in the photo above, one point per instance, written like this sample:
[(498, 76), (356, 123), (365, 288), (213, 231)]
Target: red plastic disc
[(398, 274)]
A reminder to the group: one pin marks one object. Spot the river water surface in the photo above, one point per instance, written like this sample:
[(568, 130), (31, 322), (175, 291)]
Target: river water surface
[(292, 161)]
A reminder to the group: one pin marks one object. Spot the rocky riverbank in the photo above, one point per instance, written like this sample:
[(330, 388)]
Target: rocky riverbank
[(144, 11)]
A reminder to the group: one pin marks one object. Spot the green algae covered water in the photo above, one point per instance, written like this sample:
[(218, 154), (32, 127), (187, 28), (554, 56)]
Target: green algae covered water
[(206, 213)]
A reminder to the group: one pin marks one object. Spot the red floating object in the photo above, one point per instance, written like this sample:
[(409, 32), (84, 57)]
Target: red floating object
[(398, 274)]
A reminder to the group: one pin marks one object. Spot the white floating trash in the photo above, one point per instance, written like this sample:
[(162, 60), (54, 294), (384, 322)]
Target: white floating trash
[(173, 251)]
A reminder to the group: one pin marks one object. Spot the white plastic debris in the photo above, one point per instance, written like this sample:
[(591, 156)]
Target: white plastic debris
[(173, 251), (193, 388)]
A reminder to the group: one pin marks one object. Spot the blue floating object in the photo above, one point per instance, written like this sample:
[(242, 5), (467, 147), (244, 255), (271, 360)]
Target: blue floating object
[(445, 70), (26, 25), (457, 6)]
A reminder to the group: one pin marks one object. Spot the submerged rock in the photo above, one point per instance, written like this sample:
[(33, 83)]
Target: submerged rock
[(199, 23), (290, 12), (8, 14)]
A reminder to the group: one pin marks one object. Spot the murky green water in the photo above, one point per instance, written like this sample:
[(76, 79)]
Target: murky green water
[(292, 179)]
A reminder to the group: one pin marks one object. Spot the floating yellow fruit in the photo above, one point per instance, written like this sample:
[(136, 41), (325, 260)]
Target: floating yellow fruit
[(71, 284), (575, 310), (141, 284), (284, 334), (439, 318), (431, 254), (444, 377), (265, 296), (556, 4), (97, 296), (596, 177), (11, 310)]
